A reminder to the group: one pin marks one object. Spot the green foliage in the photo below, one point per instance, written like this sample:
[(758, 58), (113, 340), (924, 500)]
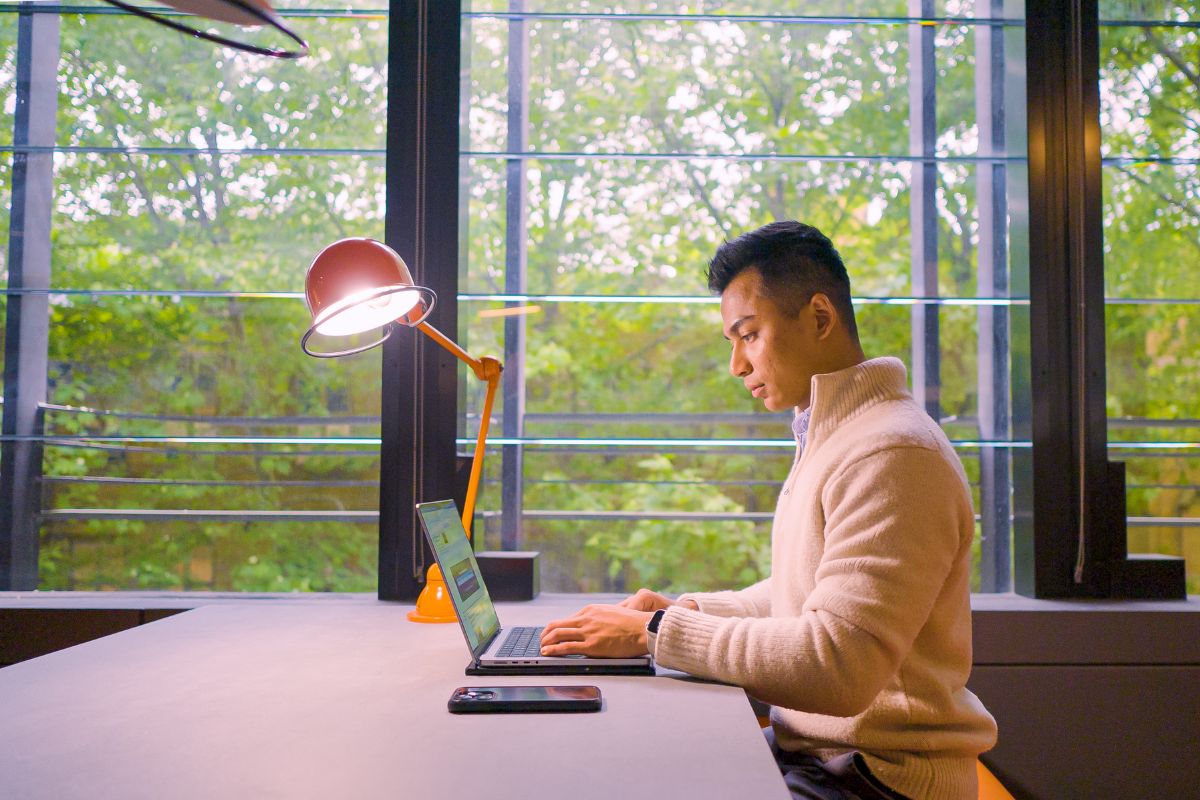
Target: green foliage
[(680, 555), (621, 222), (160, 219), (1151, 109)]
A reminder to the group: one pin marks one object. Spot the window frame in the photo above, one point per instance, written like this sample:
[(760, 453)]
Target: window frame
[(1069, 536), (1075, 544)]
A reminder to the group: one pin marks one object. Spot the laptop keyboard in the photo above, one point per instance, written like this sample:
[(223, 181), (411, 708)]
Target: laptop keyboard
[(521, 643)]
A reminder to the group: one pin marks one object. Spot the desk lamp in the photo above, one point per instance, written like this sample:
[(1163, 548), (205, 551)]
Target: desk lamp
[(357, 285), (247, 13)]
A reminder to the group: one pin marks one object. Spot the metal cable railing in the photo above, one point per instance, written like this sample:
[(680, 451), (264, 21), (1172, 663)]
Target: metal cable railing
[(367, 449)]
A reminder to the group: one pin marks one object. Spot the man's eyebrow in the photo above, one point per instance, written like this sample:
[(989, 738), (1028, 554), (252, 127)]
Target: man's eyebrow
[(737, 324)]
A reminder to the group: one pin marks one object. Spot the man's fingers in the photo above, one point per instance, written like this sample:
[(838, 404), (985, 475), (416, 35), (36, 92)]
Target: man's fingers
[(565, 649), (567, 622), (561, 635), (566, 642)]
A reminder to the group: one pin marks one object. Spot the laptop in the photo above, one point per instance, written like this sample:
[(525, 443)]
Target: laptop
[(496, 650)]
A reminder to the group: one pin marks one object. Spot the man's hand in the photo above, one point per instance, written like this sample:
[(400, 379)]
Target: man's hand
[(646, 600), (598, 630)]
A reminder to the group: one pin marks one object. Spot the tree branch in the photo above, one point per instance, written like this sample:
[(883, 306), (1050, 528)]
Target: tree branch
[(1188, 72)]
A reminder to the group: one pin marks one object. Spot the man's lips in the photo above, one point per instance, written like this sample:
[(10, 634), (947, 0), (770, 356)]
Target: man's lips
[(759, 391)]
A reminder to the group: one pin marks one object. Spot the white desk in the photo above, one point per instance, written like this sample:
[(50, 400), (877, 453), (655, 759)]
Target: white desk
[(349, 701)]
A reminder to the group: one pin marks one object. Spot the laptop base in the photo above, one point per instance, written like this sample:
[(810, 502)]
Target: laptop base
[(565, 669)]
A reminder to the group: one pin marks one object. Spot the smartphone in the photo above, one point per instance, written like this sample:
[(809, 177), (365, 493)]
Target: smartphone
[(500, 699)]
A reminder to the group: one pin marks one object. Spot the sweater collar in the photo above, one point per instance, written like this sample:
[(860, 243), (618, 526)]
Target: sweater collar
[(839, 396)]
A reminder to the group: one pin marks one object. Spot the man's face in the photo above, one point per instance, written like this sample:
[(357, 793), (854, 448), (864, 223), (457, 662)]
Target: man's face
[(774, 353)]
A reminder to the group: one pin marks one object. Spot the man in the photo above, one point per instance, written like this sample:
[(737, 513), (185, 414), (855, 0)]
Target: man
[(860, 639)]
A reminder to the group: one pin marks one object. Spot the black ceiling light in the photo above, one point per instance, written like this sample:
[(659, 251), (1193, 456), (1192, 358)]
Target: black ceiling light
[(246, 13)]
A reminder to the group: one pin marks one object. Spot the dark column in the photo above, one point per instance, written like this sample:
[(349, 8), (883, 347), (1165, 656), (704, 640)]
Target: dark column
[(420, 379), (1079, 496), (27, 327), (512, 465), (922, 137), (1017, 178), (995, 504)]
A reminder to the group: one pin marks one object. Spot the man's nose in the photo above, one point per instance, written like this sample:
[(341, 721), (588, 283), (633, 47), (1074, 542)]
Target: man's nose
[(739, 367)]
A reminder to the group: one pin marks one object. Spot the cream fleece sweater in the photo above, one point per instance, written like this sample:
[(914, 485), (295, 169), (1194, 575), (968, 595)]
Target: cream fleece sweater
[(861, 637)]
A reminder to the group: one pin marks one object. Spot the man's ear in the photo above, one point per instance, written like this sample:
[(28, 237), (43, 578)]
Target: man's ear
[(825, 314)]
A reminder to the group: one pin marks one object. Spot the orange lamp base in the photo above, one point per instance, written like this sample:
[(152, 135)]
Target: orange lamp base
[(433, 604)]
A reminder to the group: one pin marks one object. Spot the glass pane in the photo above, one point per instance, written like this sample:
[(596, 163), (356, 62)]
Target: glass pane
[(882, 10), (8, 73), (837, 8), (616, 518), (650, 142), (1149, 10), (3, 330), (206, 223), (116, 93), (564, 372), (6, 162), (1152, 231), (608, 226), (626, 85), (207, 440), (190, 444), (1150, 120), (210, 357), (188, 555), (1149, 95), (638, 227), (1153, 372), (1163, 501)]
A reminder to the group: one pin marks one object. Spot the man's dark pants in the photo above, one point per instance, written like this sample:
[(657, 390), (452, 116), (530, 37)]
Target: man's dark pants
[(843, 778)]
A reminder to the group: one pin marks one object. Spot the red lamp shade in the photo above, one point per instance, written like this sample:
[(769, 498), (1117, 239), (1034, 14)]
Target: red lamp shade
[(355, 285)]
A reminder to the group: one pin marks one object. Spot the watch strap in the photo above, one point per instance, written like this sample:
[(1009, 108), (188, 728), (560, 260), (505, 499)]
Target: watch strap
[(652, 629)]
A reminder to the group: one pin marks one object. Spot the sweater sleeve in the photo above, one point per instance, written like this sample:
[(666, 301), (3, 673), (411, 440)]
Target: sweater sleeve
[(753, 601), (894, 525)]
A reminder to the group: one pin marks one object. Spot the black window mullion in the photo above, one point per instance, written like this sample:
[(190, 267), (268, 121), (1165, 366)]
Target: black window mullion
[(419, 408), (27, 323), (1079, 538)]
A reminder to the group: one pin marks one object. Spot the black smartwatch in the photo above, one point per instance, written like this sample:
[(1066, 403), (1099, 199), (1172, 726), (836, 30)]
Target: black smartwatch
[(652, 629)]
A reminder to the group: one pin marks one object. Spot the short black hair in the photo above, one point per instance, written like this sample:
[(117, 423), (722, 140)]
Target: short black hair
[(795, 262)]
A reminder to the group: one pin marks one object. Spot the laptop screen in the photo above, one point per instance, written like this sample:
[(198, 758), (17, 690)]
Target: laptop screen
[(471, 600)]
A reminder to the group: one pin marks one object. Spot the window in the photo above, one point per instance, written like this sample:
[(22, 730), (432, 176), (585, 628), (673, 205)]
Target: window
[(610, 150), (1150, 120), (186, 441), (182, 440)]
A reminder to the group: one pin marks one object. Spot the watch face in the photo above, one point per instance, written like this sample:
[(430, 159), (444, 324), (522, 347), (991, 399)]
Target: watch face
[(652, 625)]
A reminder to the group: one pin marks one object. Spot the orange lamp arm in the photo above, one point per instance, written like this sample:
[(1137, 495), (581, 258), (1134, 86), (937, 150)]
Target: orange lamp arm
[(493, 381), (486, 369)]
